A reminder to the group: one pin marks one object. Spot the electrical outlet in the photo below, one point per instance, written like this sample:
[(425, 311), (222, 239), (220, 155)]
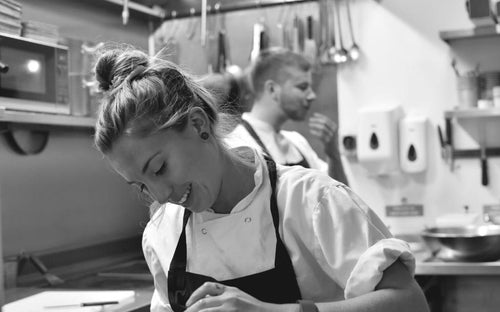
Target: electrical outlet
[(348, 146)]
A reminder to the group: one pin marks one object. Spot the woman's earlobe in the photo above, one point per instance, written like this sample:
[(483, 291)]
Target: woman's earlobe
[(204, 136)]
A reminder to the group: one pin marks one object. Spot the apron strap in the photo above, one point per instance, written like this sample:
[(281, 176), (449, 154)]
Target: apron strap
[(179, 259), (256, 137), (304, 163)]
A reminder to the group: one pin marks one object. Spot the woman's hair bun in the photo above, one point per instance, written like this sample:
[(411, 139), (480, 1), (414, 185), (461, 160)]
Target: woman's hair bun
[(116, 64), (104, 69)]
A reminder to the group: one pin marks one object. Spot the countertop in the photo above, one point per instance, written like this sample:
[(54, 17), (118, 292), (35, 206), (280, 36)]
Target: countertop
[(141, 301), (427, 265), (127, 272)]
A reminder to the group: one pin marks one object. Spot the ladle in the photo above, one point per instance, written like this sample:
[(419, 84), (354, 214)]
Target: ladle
[(354, 50), (340, 55)]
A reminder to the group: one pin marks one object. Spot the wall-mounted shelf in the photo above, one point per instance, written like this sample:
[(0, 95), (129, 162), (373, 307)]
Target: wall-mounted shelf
[(473, 113), (472, 33), (448, 150), (7, 116)]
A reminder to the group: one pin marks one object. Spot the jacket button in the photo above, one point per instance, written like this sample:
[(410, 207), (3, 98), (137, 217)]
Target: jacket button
[(204, 231), (248, 219)]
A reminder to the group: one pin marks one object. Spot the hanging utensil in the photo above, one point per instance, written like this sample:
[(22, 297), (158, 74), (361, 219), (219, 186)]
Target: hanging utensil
[(295, 35), (484, 167), (310, 49), (125, 12), (444, 154), (220, 66), (258, 28), (354, 51), (324, 32), (192, 24), (203, 30), (228, 66), (283, 39), (340, 55), (221, 59), (212, 34), (483, 157)]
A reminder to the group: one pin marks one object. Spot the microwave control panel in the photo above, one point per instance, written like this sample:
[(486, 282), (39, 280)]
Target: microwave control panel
[(62, 87)]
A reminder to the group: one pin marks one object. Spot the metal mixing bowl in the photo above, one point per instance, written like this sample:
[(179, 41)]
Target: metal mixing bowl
[(473, 243)]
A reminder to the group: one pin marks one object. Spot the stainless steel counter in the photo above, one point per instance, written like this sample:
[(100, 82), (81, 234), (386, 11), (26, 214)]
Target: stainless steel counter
[(426, 265), (458, 268)]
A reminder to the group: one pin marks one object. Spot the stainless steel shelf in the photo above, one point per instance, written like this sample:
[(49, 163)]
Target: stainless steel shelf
[(473, 113), (46, 119), (472, 33)]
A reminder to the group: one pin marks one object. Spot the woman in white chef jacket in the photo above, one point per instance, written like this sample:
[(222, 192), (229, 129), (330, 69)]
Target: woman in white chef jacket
[(231, 230)]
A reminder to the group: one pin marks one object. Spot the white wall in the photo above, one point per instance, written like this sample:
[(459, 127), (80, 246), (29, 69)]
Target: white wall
[(404, 61)]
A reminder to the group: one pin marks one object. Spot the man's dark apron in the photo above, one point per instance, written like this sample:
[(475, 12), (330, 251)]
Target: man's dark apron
[(257, 139), (277, 285)]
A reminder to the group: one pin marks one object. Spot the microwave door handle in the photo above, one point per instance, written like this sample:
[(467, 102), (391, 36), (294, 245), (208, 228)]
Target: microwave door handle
[(4, 68)]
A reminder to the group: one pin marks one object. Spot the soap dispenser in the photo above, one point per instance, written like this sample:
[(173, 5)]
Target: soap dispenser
[(413, 139), (378, 139)]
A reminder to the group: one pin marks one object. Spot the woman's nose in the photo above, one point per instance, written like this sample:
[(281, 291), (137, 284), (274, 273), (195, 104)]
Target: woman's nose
[(160, 193)]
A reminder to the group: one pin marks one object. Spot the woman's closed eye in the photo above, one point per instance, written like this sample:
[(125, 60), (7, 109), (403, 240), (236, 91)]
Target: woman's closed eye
[(161, 170)]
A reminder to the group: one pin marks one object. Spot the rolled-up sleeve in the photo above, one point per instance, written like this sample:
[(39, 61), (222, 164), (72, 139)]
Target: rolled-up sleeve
[(355, 244), (370, 267), (159, 301)]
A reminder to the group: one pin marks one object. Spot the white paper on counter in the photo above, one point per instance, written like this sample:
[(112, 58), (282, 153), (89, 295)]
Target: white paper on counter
[(41, 301)]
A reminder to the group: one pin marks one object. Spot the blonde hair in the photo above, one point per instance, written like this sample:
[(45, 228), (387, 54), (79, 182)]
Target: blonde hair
[(272, 64), (144, 95)]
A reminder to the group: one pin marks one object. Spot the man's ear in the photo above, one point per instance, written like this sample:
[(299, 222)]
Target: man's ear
[(273, 89), (199, 120)]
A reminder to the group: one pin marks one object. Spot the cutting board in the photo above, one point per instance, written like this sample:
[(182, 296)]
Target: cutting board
[(41, 301)]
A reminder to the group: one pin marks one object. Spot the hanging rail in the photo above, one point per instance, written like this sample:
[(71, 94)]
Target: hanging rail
[(180, 9), (151, 11)]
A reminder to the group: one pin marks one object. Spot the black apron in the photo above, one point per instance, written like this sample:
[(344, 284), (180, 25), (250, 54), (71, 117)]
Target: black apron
[(277, 285), (257, 139)]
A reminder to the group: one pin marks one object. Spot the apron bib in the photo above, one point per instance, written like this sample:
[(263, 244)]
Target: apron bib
[(276, 285), (257, 139)]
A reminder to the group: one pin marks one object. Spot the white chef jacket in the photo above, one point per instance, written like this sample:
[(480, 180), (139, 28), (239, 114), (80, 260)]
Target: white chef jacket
[(330, 234), (284, 146)]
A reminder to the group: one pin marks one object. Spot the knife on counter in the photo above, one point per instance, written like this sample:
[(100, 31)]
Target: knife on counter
[(82, 304)]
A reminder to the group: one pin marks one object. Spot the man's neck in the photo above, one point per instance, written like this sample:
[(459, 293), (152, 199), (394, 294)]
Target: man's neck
[(265, 112)]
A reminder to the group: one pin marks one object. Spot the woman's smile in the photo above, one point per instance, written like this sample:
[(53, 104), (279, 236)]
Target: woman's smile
[(185, 196)]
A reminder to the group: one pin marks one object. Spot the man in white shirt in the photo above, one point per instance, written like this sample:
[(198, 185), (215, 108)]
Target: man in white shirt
[(282, 86)]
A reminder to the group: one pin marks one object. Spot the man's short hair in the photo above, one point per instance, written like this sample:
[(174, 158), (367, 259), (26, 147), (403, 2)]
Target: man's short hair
[(272, 64)]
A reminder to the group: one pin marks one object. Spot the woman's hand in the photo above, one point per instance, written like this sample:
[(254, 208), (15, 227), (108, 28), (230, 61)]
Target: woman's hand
[(217, 297)]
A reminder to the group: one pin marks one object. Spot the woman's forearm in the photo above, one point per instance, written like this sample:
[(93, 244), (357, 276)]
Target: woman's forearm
[(409, 299)]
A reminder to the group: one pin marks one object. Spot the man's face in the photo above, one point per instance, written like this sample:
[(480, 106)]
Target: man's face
[(296, 94)]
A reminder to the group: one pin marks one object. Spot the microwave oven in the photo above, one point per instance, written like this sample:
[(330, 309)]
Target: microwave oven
[(33, 75)]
